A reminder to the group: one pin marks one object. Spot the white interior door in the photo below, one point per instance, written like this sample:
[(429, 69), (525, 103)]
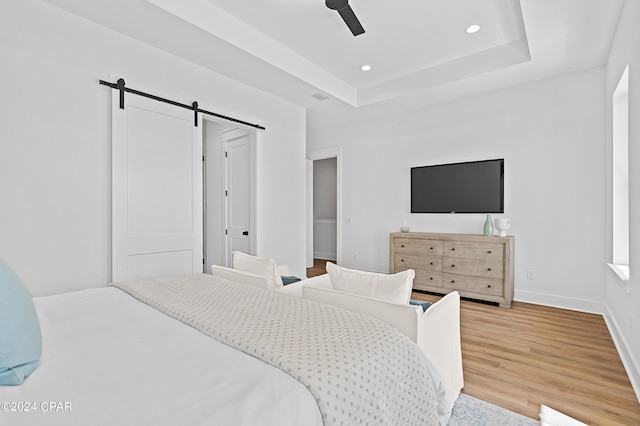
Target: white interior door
[(238, 191), (156, 190)]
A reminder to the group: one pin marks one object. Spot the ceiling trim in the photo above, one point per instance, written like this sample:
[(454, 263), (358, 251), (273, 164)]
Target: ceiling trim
[(219, 23)]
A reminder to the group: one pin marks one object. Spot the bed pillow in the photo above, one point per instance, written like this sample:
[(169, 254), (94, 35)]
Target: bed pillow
[(20, 338), (395, 288), (265, 266)]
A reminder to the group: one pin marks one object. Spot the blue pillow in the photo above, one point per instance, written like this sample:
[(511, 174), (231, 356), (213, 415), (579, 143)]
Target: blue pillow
[(20, 338), (424, 305), (289, 279)]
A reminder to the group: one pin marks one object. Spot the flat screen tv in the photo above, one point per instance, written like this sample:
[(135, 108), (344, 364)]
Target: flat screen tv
[(471, 187)]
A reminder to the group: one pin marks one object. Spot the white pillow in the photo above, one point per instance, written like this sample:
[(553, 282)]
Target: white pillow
[(394, 288), (265, 266)]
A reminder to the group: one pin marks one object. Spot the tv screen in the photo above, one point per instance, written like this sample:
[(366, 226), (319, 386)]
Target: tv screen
[(471, 187)]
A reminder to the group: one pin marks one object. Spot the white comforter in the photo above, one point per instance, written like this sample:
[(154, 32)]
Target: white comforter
[(360, 370), (109, 359), (126, 363)]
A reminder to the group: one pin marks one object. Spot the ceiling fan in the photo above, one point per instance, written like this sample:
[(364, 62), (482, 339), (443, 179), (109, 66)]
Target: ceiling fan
[(343, 8)]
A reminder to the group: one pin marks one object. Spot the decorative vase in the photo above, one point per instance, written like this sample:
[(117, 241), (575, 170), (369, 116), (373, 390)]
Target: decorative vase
[(488, 226), (502, 225)]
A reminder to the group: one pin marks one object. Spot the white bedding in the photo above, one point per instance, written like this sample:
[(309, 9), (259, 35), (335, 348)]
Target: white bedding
[(126, 363), (359, 369)]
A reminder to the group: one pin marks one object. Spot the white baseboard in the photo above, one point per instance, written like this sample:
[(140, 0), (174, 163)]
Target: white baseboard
[(571, 303), (325, 256), (631, 367)]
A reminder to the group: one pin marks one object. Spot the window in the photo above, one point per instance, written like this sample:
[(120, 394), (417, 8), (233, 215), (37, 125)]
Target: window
[(620, 178)]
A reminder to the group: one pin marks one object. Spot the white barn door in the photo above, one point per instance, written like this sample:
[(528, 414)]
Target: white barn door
[(156, 190)]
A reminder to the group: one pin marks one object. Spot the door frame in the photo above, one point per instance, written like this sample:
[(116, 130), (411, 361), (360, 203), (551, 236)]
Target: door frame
[(322, 154)]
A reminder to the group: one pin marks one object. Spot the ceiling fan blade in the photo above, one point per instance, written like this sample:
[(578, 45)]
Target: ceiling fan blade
[(336, 4), (351, 20)]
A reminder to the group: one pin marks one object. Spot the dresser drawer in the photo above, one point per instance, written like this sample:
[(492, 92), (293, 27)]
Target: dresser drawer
[(480, 251), (418, 246), (424, 280), (480, 268), (480, 285), (427, 279), (406, 261)]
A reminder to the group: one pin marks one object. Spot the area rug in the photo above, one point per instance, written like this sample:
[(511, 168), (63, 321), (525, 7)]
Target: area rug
[(470, 411)]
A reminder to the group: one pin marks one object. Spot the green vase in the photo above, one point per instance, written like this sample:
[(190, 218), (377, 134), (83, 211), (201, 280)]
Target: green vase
[(488, 226)]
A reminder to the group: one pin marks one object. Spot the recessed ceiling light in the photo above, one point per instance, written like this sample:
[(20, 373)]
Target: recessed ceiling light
[(472, 29), (365, 67)]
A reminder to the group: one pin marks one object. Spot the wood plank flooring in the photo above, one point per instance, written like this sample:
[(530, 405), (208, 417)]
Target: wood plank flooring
[(529, 355), (318, 267)]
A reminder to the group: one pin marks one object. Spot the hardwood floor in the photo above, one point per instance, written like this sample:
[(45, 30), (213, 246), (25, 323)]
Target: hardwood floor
[(318, 267), (529, 355)]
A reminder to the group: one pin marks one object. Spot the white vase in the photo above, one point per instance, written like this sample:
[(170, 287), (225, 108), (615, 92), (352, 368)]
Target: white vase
[(502, 225)]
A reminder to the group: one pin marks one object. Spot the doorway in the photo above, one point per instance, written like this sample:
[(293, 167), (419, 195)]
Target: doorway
[(324, 218), (229, 192), (324, 209)]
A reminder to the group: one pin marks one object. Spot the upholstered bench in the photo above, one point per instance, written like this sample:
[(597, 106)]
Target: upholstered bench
[(435, 327)]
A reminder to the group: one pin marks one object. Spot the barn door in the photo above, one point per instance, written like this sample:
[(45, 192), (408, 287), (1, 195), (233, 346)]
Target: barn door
[(156, 190)]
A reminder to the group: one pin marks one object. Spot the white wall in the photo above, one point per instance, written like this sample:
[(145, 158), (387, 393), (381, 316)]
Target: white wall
[(623, 308), (551, 134), (55, 144), (324, 188)]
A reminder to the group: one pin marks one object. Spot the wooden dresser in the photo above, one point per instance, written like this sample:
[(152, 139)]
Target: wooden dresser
[(478, 267)]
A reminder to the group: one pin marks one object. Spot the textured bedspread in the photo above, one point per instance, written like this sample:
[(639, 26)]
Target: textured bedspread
[(360, 370)]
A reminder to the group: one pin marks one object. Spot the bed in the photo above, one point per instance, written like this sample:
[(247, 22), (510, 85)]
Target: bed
[(202, 350)]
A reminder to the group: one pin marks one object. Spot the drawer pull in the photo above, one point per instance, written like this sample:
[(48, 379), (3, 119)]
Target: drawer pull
[(430, 263), (453, 249), (431, 278), (453, 266), (402, 245), (431, 248), (488, 269), (401, 260), (489, 286), (453, 281), (489, 252)]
